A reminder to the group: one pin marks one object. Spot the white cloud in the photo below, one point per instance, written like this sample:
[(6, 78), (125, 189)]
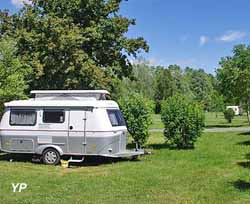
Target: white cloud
[(203, 40), (231, 36), (20, 3)]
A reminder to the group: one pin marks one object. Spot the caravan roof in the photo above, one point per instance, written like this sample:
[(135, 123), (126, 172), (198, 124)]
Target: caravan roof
[(69, 91), (62, 103), (70, 94)]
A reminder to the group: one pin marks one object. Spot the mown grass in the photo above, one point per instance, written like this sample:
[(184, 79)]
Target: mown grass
[(211, 121), (216, 171)]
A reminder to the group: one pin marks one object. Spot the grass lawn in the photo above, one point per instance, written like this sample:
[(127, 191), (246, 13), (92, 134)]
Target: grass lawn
[(217, 171), (210, 121)]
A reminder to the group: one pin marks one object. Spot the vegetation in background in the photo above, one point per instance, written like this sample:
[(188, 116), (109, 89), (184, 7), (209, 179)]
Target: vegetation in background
[(212, 120), (217, 103), (76, 44), (183, 121), (82, 45), (137, 113), (13, 74), (234, 77), (159, 83), (229, 115)]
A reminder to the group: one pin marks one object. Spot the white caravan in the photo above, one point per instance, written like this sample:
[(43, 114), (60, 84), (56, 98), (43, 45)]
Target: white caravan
[(57, 123), (237, 109)]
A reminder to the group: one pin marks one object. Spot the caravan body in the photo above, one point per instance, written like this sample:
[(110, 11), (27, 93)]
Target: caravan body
[(66, 123)]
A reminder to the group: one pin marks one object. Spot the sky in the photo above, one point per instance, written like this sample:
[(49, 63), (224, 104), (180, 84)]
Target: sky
[(195, 33)]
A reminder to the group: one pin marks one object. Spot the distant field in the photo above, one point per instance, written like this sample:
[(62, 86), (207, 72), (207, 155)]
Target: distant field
[(210, 121), (216, 171)]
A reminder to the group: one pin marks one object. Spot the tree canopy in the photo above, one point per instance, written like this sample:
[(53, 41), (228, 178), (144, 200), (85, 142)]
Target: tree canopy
[(77, 44), (234, 76), (13, 74)]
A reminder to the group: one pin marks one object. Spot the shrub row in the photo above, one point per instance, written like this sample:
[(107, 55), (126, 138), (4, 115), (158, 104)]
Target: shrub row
[(183, 119)]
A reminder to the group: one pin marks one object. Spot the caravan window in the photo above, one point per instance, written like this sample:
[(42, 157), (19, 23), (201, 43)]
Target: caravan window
[(116, 118), (53, 116), (23, 117)]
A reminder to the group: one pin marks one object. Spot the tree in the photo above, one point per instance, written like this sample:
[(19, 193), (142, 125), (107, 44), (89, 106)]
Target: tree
[(164, 86), (137, 114), (217, 103), (229, 115), (142, 80), (234, 77), (13, 74), (201, 86), (76, 44), (183, 121)]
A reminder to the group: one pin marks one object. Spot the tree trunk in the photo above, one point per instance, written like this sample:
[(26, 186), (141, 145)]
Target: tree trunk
[(248, 113)]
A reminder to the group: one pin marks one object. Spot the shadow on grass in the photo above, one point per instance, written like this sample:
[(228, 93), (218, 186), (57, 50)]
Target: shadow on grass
[(223, 126), (244, 143), (98, 160), (245, 133), (16, 157), (242, 185), (88, 160), (247, 156), (245, 164), (167, 146)]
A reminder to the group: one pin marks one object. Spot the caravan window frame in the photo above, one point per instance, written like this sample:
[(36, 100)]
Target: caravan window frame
[(118, 117), (54, 110), (23, 110)]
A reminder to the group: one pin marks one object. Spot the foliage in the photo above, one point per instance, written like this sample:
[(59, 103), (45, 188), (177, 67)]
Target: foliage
[(234, 76), (76, 44), (217, 103), (137, 113), (201, 87), (13, 74), (229, 114), (164, 86), (183, 121), (142, 81)]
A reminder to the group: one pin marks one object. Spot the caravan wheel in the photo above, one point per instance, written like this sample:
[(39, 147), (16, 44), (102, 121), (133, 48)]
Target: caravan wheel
[(51, 157)]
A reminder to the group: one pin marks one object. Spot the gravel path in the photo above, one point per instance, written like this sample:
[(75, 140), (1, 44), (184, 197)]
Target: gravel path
[(230, 129)]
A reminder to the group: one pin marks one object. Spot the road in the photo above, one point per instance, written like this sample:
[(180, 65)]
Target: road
[(229, 129)]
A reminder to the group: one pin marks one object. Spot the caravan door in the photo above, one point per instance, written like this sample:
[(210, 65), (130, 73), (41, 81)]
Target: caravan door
[(77, 131)]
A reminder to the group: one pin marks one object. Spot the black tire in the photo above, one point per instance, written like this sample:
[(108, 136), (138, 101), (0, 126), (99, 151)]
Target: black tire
[(51, 157)]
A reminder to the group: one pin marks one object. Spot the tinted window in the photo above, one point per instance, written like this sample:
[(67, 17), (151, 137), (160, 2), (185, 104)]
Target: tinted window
[(23, 117), (116, 118), (53, 116)]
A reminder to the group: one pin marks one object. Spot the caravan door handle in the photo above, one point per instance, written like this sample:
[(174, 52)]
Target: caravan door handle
[(71, 127)]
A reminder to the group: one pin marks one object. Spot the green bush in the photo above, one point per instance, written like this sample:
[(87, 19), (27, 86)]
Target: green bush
[(229, 115), (137, 113), (183, 121)]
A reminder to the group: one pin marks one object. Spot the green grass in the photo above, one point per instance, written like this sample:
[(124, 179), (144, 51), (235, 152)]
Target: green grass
[(210, 121), (216, 171), (156, 121)]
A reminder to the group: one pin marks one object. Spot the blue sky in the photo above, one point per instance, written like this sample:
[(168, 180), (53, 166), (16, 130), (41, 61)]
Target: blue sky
[(194, 33)]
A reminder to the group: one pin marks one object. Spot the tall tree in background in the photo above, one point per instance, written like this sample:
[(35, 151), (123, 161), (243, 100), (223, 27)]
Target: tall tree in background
[(234, 76), (76, 44), (164, 86), (13, 74), (201, 86), (142, 80)]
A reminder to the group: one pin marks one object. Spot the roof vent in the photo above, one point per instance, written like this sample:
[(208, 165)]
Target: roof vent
[(70, 94)]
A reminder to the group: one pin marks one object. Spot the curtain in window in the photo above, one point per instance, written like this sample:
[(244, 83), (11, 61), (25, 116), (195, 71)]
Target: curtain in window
[(23, 118)]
